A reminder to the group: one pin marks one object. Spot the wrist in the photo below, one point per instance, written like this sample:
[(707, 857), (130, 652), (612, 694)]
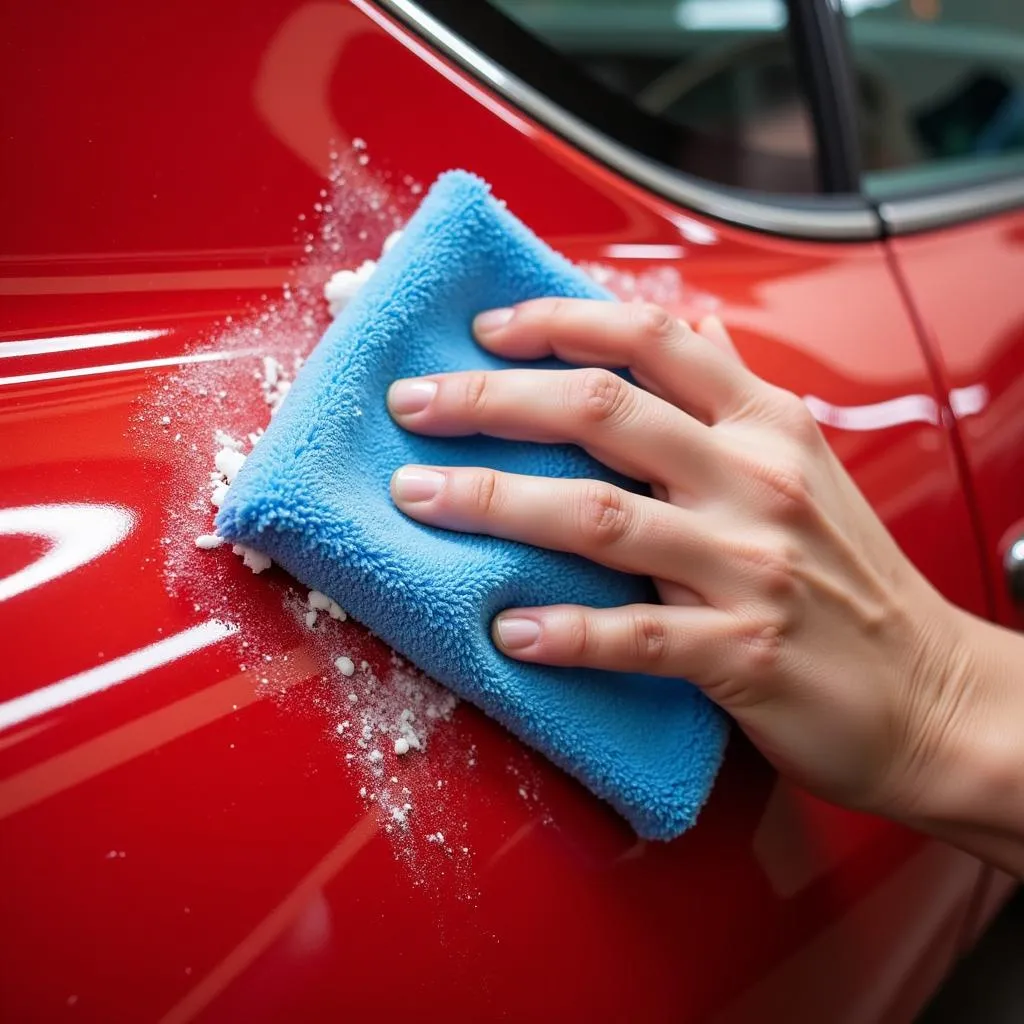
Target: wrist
[(970, 775)]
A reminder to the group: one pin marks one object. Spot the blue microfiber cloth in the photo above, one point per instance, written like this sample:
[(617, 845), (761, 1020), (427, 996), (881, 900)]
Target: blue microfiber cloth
[(314, 495)]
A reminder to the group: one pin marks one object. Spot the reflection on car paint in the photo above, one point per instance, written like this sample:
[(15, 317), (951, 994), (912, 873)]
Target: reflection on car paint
[(111, 673), (963, 402), (74, 342), (77, 533)]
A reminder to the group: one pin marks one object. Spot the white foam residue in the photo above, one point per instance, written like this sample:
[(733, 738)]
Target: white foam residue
[(343, 286), (660, 284), (393, 710), (252, 559), (225, 440), (274, 383), (228, 462)]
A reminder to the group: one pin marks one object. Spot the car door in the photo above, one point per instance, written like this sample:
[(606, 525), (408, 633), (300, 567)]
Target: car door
[(947, 82)]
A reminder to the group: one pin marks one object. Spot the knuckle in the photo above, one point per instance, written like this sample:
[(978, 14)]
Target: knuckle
[(483, 492), (776, 570), (763, 642), (543, 309), (797, 419), (599, 395), (474, 390), (602, 515), (649, 639), (781, 483), (653, 323), (577, 637), (790, 492)]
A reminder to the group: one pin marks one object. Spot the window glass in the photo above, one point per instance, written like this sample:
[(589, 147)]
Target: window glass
[(940, 90), (715, 80)]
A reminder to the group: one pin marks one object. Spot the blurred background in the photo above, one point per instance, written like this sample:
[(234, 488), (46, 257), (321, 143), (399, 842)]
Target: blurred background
[(713, 88)]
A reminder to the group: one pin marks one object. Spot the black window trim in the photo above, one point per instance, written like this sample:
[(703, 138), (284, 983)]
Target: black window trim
[(821, 52), (812, 217), (827, 217), (936, 208)]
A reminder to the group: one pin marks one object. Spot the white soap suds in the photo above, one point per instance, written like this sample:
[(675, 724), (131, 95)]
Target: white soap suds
[(225, 440), (274, 384), (343, 285), (220, 408), (251, 558), (345, 666), (228, 462)]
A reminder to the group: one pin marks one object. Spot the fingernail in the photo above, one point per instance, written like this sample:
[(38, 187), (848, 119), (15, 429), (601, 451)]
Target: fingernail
[(416, 483), (409, 396), (514, 633), (492, 320)]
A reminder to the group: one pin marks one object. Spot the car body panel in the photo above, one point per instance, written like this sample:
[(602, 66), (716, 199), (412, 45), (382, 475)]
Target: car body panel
[(963, 285), (182, 840)]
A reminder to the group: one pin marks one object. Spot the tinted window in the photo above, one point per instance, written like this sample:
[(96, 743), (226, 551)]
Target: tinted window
[(710, 85), (941, 89)]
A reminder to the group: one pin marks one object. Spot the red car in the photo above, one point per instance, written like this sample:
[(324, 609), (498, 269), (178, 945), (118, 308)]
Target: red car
[(182, 832)]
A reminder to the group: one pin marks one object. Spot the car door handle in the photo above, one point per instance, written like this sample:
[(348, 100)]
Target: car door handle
[(1013, 569)]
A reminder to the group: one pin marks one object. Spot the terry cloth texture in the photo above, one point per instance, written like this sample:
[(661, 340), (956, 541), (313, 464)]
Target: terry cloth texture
[(314, 495)]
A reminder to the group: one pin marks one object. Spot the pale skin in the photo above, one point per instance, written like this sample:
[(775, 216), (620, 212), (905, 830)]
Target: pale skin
[(783, 596)]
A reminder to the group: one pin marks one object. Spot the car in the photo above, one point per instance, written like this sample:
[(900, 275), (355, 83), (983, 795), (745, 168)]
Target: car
[(189, 829)]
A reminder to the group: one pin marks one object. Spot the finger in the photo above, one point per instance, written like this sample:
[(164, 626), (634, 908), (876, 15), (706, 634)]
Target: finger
[(676, 593), (621, 425), (712, 328), (654, 639), (662, 352), (606, 524)]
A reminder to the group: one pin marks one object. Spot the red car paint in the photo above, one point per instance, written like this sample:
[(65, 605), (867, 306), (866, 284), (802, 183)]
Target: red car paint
[(965, 285), (186, 844)]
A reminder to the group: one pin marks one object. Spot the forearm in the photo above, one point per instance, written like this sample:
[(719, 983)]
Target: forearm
[(975, 797)]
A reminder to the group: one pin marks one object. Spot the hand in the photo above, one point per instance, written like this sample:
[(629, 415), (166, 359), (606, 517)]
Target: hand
[(785, 599)]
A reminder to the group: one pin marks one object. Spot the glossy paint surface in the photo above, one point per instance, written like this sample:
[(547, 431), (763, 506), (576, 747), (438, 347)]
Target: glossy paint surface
[(183, 840), (965, 284)]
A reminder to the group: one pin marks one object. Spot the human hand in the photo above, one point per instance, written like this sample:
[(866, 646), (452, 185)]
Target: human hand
[(785, 599)]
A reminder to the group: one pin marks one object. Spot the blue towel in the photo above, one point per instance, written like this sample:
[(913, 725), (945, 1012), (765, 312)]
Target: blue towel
[(314, 496)]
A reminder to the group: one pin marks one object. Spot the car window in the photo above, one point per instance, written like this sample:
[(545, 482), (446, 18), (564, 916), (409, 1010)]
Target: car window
[(708, 87), (940, 90)]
